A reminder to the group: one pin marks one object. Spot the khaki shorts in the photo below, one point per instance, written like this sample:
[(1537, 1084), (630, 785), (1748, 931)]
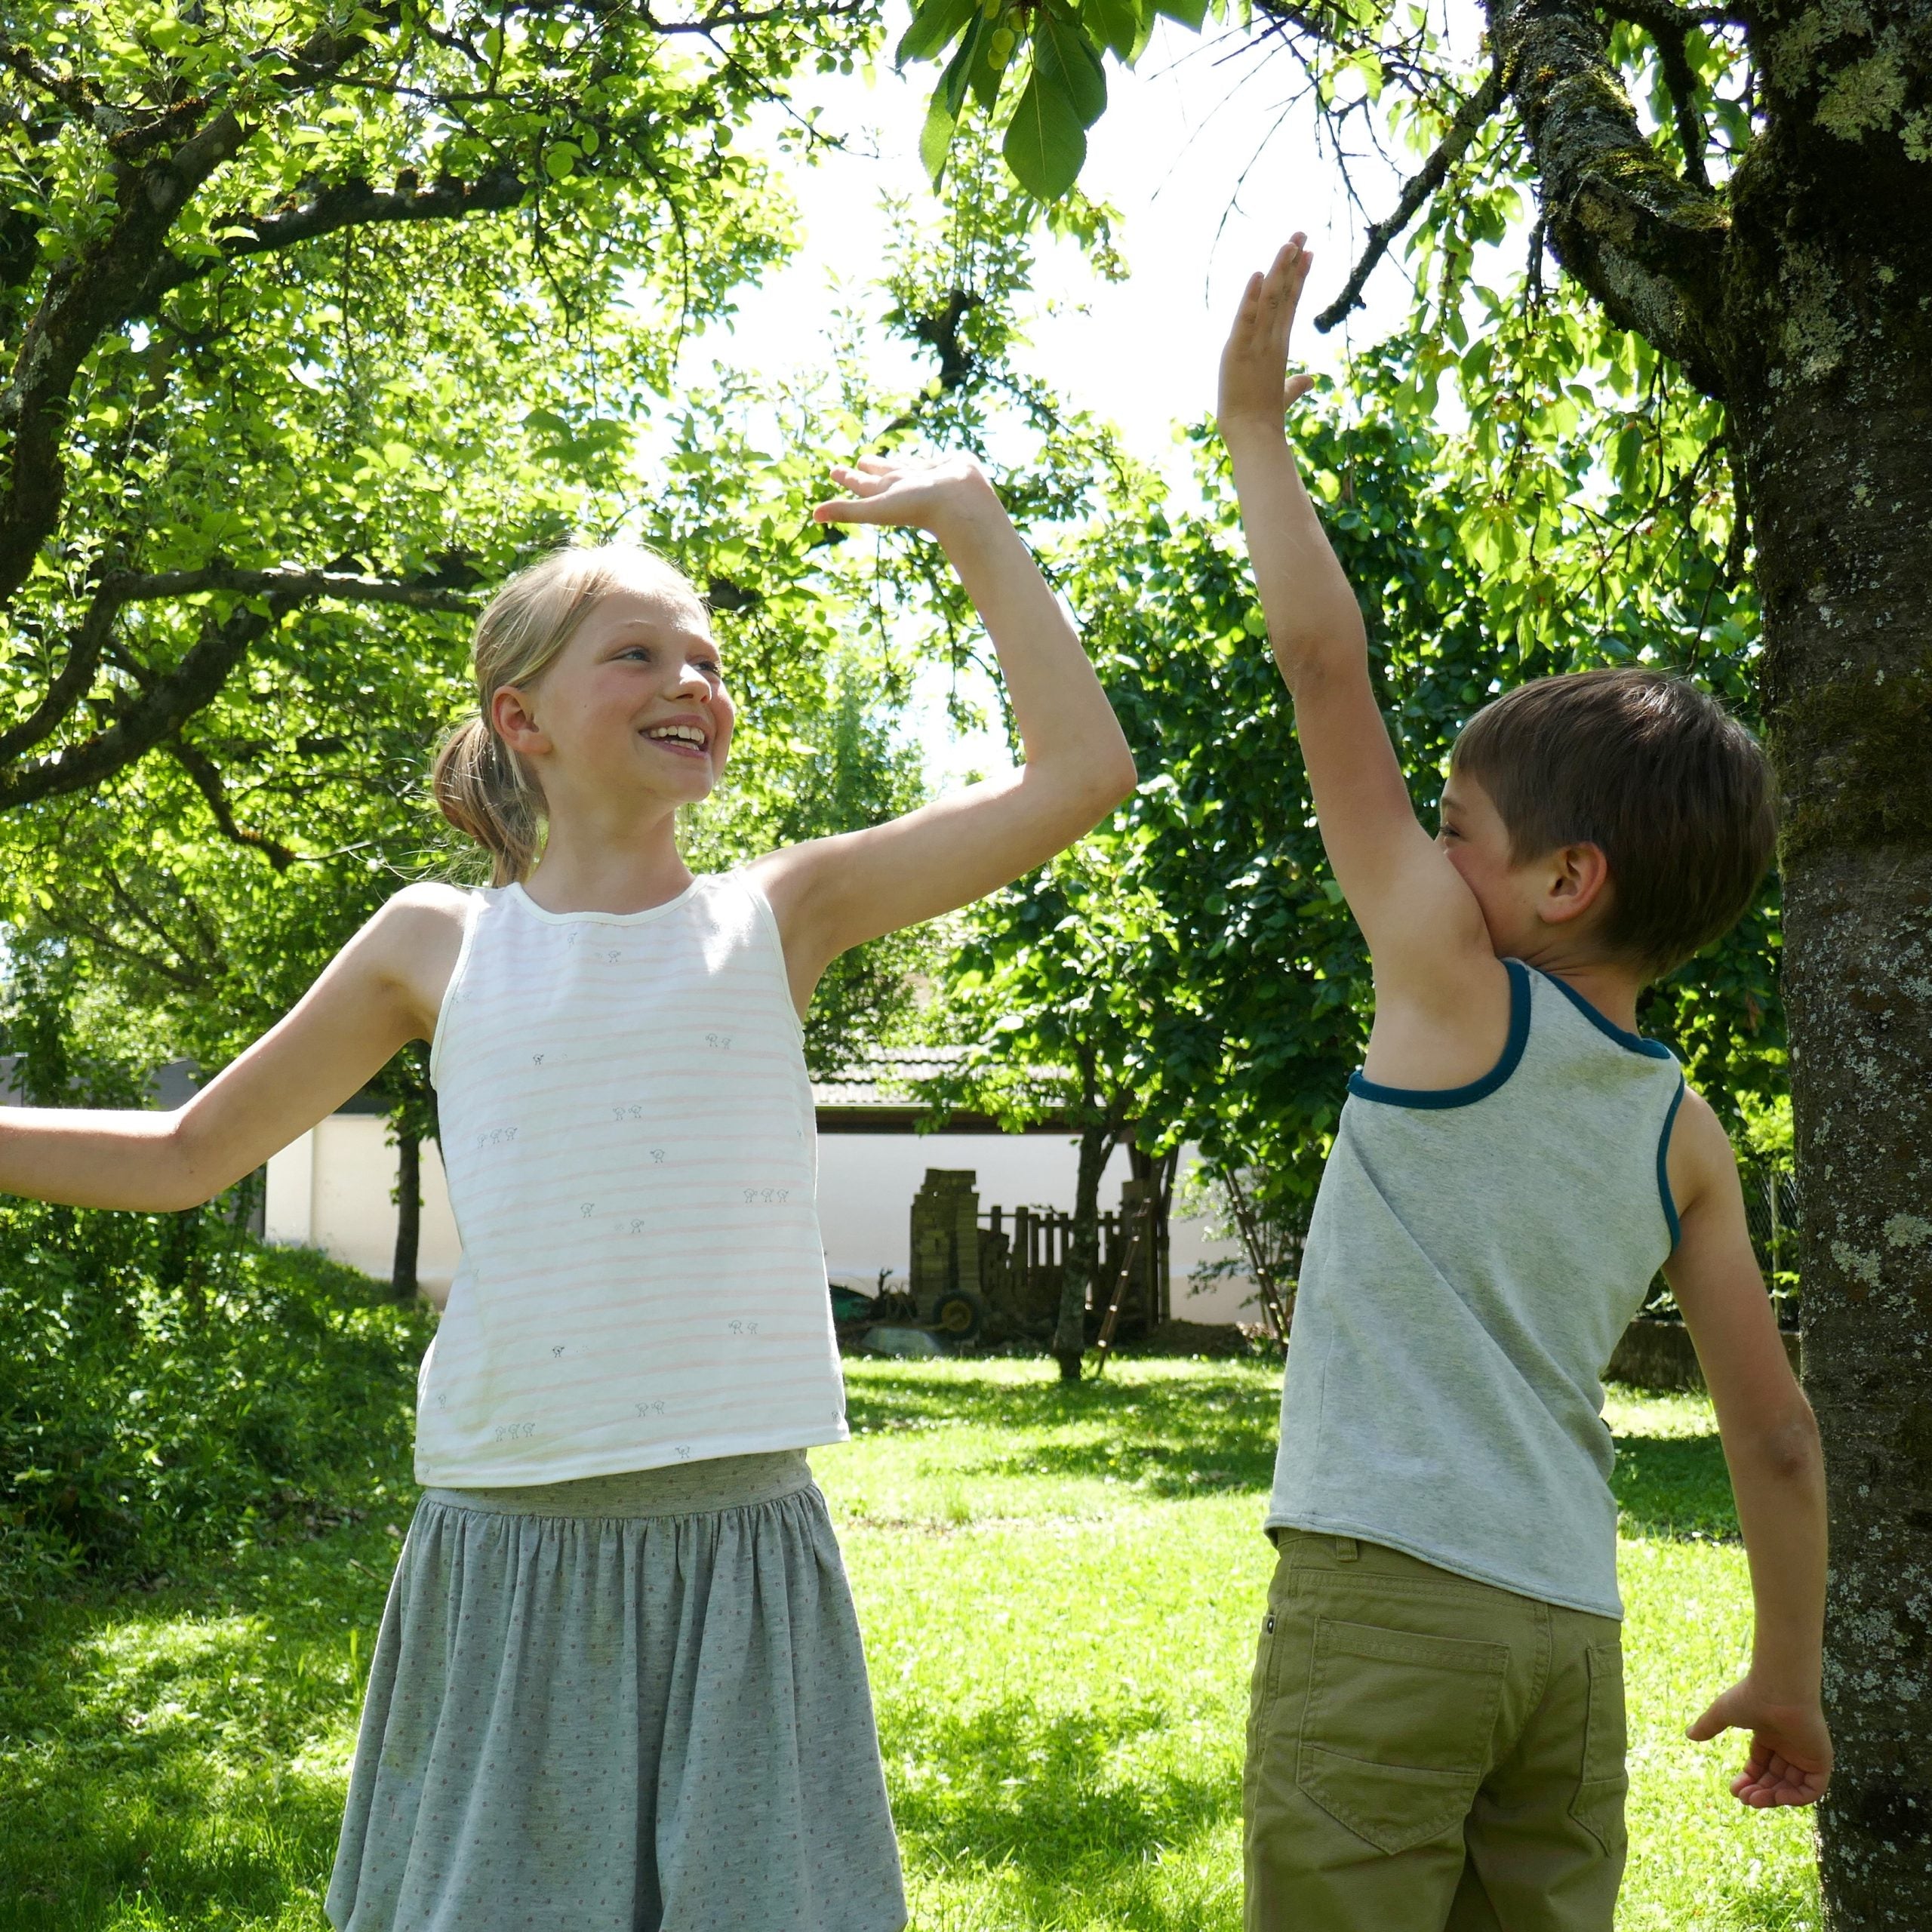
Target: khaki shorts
[(1428, 1754)]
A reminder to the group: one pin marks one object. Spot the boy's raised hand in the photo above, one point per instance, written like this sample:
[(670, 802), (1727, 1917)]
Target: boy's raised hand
[(1255, 386), (1791, 1749)]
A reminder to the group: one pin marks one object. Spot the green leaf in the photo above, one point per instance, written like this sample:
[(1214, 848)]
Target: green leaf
[(1064, 54), (1189, 13), (1045, 142), (1121, 25), (936, 138), (935, 24)]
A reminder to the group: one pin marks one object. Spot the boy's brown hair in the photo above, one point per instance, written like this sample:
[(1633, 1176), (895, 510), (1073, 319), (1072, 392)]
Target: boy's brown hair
[(1672, 789)]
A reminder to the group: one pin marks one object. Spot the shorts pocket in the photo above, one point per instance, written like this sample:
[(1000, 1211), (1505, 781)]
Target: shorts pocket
[(1395, 1736), (1603, 1782)]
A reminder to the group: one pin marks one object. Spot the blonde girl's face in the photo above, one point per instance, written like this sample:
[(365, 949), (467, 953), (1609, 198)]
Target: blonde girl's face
[(635, 705)]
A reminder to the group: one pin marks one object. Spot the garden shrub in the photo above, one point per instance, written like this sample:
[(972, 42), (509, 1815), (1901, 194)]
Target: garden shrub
[(171, 1388)]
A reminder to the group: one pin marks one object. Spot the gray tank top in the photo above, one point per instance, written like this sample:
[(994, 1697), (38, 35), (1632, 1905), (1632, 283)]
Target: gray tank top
[(1473, 1256)]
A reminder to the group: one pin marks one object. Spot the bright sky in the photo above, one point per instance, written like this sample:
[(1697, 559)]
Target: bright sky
[(1211, 167)]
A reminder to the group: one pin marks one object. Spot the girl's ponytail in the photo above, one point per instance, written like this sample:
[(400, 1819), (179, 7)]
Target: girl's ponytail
[(479, 784), (478, 787)]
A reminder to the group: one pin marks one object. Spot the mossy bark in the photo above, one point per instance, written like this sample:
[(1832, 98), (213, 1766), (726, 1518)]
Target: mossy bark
[(1840, 458), (1799, 296)]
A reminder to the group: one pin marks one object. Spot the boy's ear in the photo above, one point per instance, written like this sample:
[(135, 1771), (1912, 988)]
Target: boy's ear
[(1576, 877)]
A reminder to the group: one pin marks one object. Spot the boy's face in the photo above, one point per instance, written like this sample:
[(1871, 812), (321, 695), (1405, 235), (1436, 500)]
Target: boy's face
[(1531, 906)]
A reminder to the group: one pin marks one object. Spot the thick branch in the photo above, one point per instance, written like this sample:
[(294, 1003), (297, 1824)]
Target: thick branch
[(200, 769), (167, 701), (1647, 245), (1682, 84), (120, 587), (1665, 17), (148, 721), (88, 295), (292, 586), (1468, 121), (69, 688), (342, 204)]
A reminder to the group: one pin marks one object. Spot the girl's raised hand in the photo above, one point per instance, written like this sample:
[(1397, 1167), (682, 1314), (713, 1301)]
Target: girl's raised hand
[(1255, 386), (914, 492)]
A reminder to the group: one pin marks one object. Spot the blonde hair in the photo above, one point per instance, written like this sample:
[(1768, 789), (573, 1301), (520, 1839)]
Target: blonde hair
[(479, 784)]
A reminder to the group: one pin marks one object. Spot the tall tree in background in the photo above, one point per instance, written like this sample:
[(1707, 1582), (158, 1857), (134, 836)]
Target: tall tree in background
[(1742, 190), (341, 305)]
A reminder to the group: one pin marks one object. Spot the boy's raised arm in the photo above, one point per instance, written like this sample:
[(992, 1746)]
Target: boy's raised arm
[(1421, 922)]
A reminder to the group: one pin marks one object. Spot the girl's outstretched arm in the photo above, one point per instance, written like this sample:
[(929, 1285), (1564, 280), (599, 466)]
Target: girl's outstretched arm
[(832, 894), (382, 990)]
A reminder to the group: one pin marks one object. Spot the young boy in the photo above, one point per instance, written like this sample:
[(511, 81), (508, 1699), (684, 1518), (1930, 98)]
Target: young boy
[(1436, 1738)]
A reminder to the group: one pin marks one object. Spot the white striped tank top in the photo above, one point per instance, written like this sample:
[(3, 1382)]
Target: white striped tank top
[(627, 1130)]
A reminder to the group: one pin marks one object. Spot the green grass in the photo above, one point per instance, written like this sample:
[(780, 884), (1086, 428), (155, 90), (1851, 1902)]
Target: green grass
[(1060, 1592)]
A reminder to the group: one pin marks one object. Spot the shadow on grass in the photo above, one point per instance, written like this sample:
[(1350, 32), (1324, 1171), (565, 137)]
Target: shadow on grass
[(1673, 1486), (149, 1743), (1215, 1430), (1053, 1800)]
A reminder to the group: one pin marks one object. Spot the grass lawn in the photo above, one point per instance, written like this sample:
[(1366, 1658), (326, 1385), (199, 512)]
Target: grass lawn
[(1059, 1592)]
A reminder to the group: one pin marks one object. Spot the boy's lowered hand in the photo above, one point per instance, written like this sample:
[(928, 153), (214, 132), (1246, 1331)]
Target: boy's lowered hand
[(1791, 1749)]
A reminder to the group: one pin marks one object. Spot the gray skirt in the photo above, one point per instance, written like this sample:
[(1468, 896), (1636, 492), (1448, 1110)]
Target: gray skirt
[(629, 1703)]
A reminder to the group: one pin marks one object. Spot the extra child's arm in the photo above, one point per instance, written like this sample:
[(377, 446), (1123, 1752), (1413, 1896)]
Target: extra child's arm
[(1424, 928), (1770, 1442), (369, 1002), (833, 894)]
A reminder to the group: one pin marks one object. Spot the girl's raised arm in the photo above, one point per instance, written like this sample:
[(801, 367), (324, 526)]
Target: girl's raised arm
[(832, 894), (381, 991)]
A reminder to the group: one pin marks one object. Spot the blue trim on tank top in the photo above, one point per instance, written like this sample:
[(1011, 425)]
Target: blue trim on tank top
[(1366, 1089), (1663, 1171), (1635, 1043)]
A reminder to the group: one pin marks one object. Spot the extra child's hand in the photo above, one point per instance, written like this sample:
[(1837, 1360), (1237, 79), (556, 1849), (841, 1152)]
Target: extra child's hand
[(1255, 387), (934, 495), (1791, 1749)]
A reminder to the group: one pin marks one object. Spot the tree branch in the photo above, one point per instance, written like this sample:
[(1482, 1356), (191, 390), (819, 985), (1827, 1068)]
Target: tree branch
[(294, 585), (1646, 244), (1468, 121), (166, 701), (138, 726), (87, 294), (1665, 16), (341, 204), (117, 588), (1682, 84), (126, 134), (68, 688), (200, 769)]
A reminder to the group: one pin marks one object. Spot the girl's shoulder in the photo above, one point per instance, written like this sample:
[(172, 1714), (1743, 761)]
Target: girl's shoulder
[(428, 905), (419, 936)]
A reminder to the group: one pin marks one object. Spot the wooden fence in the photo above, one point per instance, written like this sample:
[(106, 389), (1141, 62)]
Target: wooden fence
[(1022, 1261)]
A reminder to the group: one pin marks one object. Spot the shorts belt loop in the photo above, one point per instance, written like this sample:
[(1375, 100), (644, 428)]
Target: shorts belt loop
[(1346, 1549)]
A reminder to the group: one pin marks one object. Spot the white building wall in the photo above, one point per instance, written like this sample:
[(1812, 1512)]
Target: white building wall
[(331, 1189)]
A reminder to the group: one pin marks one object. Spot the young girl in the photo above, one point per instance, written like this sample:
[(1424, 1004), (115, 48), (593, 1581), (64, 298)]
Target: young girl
[(619, 1685)]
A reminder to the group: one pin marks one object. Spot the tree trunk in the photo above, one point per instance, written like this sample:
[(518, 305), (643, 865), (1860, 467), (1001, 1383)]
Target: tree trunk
[(1832, 256), (1083, 1253), (1844, 532), (409, 1217)]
